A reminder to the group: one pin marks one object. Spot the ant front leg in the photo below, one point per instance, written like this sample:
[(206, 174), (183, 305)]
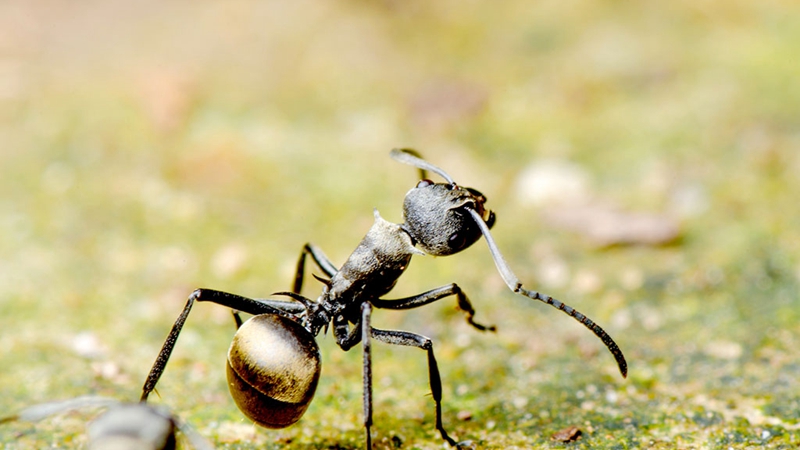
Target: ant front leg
[(319, 258), (433, 295), (347, 339)]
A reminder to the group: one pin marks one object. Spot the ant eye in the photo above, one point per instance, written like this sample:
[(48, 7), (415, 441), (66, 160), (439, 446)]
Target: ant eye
[(424, 183), (457, 241), (478, 196)]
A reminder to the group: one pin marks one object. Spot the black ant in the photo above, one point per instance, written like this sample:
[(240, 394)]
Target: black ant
[(122, 425), (274, 362)]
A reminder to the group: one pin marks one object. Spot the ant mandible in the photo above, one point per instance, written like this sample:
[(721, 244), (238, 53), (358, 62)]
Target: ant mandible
[(273, 363)]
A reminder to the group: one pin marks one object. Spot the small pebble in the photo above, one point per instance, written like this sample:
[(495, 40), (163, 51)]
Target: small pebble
[(569, 434)]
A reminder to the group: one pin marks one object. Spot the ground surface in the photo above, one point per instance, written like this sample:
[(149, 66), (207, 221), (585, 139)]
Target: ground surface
[(148, 149)]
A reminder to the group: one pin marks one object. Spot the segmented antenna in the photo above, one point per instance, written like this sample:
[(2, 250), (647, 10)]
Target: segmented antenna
[(412, 158), (515, 285), (408, 156)]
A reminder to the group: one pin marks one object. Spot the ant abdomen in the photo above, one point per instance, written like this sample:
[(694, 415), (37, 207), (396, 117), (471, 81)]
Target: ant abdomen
[(273, 370)]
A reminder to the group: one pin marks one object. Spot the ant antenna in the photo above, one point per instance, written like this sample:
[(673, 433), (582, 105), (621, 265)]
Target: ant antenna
[(515, 285), (412, 158)]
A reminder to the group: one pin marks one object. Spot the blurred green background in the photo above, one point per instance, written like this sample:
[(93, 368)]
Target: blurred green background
[(148, 148)]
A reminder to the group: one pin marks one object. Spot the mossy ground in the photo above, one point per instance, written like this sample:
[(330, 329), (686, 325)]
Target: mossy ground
[(149, 148)]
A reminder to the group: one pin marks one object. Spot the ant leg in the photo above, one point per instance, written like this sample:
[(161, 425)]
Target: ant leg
[(346, 338), (290, 307), (232, 301), (319, 258), (415, 340), (432, 296), (366, 311), (237, 318), (166, 349), (244, 304), (281, 305)]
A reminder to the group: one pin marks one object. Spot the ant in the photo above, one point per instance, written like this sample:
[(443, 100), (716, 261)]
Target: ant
[(123, 425), (273, 363)]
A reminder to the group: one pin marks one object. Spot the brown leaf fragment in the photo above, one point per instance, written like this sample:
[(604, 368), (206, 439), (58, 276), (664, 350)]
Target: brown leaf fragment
[(569, 434)]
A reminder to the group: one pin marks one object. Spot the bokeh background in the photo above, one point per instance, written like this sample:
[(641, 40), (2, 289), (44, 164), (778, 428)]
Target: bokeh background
[(643, 160)]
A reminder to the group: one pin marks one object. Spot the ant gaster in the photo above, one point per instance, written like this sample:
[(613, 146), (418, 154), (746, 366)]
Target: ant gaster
[(274, 362)]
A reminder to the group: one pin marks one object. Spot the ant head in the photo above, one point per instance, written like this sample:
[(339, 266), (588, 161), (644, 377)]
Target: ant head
[(437, 217), (441, 217)]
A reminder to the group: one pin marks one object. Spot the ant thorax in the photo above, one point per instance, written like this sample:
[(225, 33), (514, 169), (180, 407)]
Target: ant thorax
[(375, 265)]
